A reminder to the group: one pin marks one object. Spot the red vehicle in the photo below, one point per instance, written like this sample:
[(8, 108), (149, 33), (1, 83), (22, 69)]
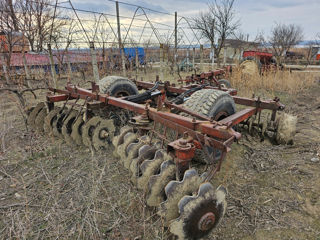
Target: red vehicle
[(318, 56), (257, 62), (264, 57)]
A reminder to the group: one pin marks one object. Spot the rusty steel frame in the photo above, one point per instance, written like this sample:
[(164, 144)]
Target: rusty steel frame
[(217, 134), (180, 123), (250, 102), (218, 129), (174, 89), (205, 76)]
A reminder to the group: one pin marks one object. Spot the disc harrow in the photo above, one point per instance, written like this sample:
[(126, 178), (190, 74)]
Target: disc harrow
[(103, 134), (67, 127), (58, 122), (158, 182), (88, 130), (156, 135), (34, 113), (132, 151), (39, 121), (49, 120), (76, 129)]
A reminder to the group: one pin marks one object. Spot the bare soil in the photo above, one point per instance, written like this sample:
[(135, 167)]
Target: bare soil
[(49, 190)]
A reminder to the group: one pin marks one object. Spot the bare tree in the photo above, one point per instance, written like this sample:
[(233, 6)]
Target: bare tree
[(283, 37), (37, 21), (261, 39), (242, 43), (11, 39), (62, 41), (12, 14), (217, 24)]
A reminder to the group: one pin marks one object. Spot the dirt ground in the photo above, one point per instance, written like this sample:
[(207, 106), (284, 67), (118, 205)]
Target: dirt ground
[(49, 190)]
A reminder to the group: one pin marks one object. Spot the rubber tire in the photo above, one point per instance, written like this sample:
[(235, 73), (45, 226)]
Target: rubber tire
[(210, 102), (117, 86), (226, 83)]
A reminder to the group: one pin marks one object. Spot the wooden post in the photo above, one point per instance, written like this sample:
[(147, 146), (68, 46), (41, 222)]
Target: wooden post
[(111, 60), (176, 40), (131, 64), (137, 60), (212, 58), (124, 70), (94, 63), (26, 69), (121, 48), (193, 57), (103, 59), (106, 61), (188, 60), (166, 59), (201, 58), (145, 60), (161, 62), (69, 67), (240, 54), (224, 56), (52, 66)]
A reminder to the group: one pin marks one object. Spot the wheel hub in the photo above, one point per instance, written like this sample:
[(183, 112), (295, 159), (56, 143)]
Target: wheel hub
[(221, 115), (206, 222), (103, 134)]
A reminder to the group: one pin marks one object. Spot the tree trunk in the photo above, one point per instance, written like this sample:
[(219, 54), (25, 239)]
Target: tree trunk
[(5, 69), (13, 16), (212, 53)]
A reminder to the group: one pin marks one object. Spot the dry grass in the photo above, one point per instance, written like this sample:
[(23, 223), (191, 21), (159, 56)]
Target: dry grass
[(273, 82), (49, 190)]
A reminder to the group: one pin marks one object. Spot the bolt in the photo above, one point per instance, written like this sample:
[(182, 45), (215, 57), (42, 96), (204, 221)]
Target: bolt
[(207, 221), (185, 135), (182, 142), (104, 134)]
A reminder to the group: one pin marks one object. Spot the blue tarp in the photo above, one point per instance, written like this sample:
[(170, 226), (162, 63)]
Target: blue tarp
[(131, 54)]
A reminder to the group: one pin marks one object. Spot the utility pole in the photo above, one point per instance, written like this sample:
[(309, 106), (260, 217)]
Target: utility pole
[(193, 57), (161, 62), (121, 49)]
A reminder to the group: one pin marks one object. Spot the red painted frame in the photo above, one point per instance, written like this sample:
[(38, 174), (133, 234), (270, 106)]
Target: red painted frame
[(219, 134)]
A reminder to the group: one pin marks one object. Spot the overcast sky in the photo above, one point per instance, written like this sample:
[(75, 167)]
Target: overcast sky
[(254, 15)]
